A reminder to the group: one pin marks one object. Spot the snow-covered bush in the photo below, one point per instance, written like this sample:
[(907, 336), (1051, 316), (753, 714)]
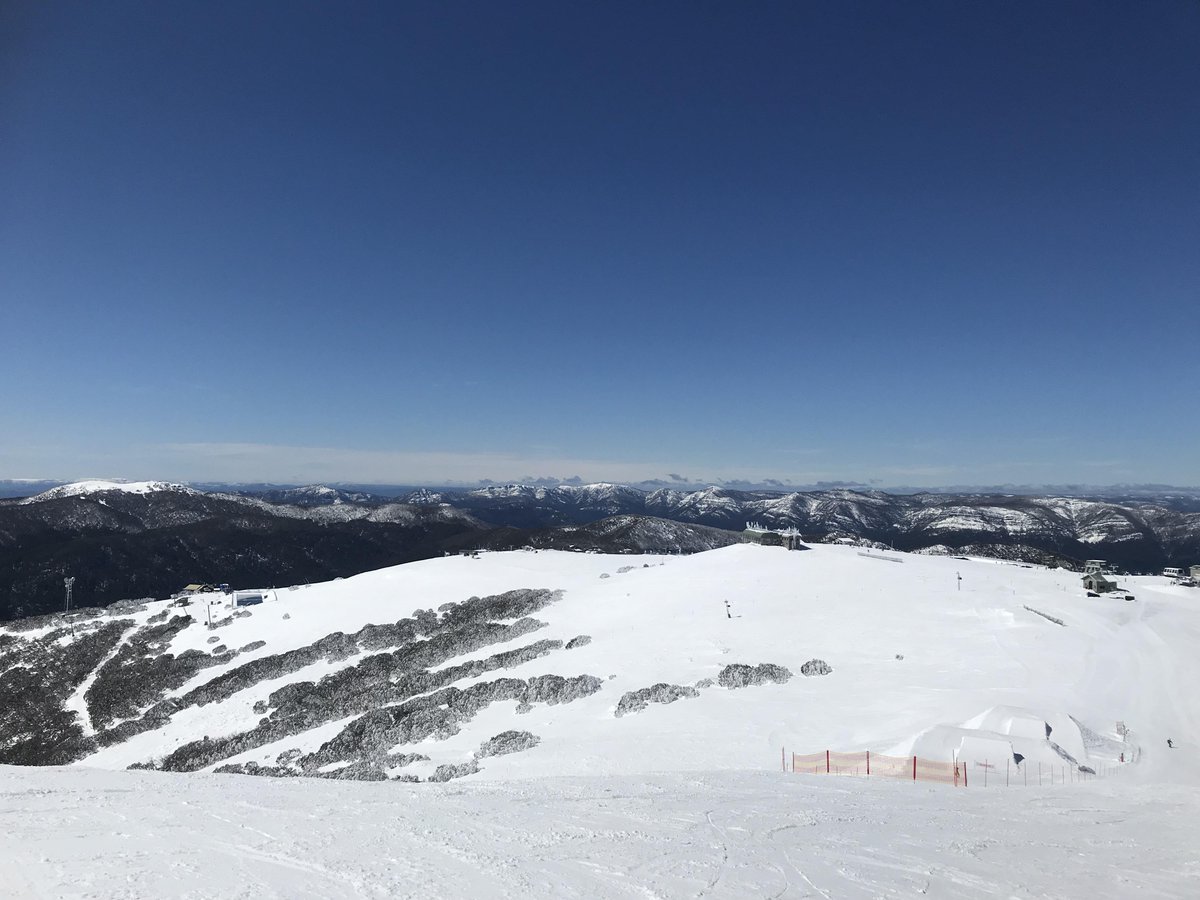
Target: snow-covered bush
[(454, 770), (816, 667), (636, 701), (507, 742), (739, 675)]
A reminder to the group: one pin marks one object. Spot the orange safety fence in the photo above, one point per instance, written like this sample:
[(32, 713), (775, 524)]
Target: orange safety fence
[(916, 768), (908, 768)]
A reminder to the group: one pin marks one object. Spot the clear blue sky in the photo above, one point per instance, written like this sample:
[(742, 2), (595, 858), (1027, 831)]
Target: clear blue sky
[(909, 243)]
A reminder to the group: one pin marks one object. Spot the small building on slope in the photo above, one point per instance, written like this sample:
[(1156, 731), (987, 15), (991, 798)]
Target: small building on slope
[(775, 537), (1099, 583)]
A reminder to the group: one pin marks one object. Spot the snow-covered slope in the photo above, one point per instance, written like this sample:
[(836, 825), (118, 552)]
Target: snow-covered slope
[(909, 652), (523, 675), (718, 835)]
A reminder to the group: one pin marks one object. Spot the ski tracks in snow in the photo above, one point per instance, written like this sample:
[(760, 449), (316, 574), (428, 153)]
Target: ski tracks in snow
[(715, 835)]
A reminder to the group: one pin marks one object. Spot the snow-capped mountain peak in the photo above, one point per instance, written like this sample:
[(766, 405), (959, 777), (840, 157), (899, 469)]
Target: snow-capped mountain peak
[(101, 486)]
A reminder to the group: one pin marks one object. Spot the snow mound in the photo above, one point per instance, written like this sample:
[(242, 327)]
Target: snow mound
[(1004, 734)]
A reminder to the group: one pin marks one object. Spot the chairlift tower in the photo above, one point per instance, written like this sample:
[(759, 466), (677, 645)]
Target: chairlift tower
[(68, 583)]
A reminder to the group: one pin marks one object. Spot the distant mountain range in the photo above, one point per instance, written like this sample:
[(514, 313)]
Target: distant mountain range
[(120, 544), (148, 539), (1172, 495), (1141, 535)]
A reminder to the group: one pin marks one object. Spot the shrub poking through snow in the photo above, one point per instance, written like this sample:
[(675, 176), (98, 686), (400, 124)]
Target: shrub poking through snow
[(739, 675), (817, 667), (636, 701), (581, 640), (454, 770), (507, 742)]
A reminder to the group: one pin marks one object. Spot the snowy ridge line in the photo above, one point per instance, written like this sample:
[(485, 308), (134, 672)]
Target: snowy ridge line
[(101, 486), (880, 556), (1038, 612), (864, 763)]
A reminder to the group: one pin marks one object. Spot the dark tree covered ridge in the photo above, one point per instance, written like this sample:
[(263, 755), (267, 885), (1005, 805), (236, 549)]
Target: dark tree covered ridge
[(119, 546)]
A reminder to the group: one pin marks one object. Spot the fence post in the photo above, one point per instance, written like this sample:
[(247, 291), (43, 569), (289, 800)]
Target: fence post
[(826, 762), (783, 757), (1007, 765), (914, 768), (868, 763), (793, 761)]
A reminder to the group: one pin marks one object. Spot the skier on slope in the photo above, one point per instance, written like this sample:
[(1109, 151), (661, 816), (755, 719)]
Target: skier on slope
[(1170, 744)]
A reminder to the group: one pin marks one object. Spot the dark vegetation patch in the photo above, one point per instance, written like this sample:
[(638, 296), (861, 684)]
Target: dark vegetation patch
[(37, 678), (426, 639), (287, 767), (423, 640), (739, 675), (636, 701), (371, 737), (454, 770), (401, 690), (507, 742), (141, 672)]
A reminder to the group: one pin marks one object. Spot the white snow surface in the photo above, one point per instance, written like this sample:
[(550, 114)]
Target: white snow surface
[(726, 834), (685, 799)]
